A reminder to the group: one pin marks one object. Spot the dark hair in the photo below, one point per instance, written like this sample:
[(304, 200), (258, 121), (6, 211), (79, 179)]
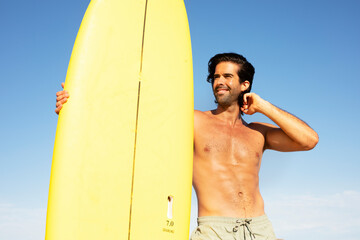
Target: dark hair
[(246, 70)]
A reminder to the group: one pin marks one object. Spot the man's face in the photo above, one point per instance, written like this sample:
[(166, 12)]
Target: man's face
[(226, 86)]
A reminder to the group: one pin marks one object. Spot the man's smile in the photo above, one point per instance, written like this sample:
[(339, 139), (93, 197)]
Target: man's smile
[(221, 89)]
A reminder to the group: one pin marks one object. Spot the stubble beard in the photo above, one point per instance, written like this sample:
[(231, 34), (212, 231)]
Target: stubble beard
[(224, 100)]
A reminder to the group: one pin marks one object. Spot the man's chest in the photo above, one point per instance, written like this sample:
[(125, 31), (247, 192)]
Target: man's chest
[(232, 143)]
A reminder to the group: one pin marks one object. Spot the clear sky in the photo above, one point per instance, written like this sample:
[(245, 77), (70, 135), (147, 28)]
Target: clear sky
[(306, 56)]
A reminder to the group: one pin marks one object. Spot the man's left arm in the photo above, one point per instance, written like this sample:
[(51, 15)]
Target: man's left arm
[(293, 134)]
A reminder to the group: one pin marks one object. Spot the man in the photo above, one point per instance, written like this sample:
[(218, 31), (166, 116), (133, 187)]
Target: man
[(228, 152)]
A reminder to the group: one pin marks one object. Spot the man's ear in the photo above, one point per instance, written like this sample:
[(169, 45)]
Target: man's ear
[(245, 85)]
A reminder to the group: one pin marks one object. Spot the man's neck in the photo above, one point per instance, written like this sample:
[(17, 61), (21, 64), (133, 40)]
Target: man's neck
[(229, 114)]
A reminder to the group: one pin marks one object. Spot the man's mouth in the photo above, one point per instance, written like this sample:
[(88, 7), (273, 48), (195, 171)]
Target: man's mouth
[(221, 89)]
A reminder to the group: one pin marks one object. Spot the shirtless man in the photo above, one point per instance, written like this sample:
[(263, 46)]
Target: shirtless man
[(228, 152)]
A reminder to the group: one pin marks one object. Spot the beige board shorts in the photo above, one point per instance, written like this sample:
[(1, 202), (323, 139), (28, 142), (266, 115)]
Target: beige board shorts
[(226, 228)]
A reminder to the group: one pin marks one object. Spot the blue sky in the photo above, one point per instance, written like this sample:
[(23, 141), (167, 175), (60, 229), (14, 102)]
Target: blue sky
[(306, 56)]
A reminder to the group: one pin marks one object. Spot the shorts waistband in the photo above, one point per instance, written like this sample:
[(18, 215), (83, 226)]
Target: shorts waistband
[(230, 220)]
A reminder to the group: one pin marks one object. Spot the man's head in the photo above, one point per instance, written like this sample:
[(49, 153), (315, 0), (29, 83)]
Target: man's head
[(245, 72)]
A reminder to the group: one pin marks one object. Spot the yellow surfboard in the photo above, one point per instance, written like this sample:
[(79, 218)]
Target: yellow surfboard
[(122, 162)]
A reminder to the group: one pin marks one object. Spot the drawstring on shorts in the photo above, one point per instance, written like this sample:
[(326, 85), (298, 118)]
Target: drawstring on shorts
[(244, 223)]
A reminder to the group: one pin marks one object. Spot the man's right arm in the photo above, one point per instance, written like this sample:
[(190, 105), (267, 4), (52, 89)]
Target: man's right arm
[(61, 98)]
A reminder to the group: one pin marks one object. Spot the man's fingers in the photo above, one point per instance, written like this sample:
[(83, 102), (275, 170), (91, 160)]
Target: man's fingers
[(59, 105), (62, 94), (245, 97), (248, 112), (61, 97), (61, 102), (57, 110)]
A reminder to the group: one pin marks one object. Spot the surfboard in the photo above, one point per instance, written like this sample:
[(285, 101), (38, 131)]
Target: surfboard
[(122, 160)]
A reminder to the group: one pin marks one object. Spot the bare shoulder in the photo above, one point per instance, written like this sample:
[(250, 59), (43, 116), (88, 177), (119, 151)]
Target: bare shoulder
[(200, 115), (261, 127), (201, 118)]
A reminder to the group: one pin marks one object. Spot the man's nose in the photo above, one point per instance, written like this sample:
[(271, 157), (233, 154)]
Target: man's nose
[(221, 80)]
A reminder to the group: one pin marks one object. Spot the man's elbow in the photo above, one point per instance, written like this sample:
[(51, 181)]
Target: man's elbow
[(311, 142)]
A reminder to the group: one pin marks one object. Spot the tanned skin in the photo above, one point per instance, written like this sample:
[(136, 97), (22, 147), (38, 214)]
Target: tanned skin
[(228, 151)]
